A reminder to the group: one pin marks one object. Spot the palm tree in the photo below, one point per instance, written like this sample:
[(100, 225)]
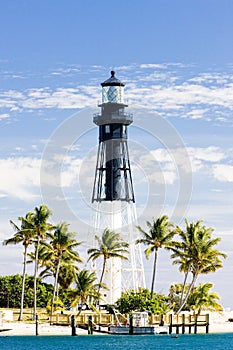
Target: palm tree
[(175, 291), (40, 226), (196, 255), (203, 298), (85, 290), (67, 273), (182, 250), (23, 235), (110, 245), (60, 249), (159, 235)]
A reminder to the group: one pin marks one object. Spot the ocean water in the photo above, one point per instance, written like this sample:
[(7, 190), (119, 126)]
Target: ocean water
[(221, 341)]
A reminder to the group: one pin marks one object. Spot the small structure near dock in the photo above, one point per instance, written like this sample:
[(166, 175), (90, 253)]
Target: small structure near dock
[(139, 324)]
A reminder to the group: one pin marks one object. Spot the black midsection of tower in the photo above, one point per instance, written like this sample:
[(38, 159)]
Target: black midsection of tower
[(114, 160), (112, 131), (113, 180)]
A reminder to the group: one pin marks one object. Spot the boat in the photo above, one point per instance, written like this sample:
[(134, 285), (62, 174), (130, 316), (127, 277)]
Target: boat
[(138, 324)]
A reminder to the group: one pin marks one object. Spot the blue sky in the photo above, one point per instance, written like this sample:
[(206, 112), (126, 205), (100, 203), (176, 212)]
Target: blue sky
[(176, 58)]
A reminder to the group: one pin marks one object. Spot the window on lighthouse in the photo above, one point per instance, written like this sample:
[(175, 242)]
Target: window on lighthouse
[(107, 129)]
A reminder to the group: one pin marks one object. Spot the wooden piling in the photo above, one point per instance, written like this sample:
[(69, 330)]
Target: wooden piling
[(183, 323), (73, 328), (170, 324), (130, 324), (207, 323), (195, 324), (36, 324), (90, 325)]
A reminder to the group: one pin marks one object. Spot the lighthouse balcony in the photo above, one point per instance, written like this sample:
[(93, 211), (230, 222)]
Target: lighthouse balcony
[(126, 118)]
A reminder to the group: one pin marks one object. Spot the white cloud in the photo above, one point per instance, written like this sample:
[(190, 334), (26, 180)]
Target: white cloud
[(152, 65), (209, 78), (198, 157), (196, 113), (223, 172), (164, 88), (209, 154), (19, 177), (164, 177), (4, 116), (70, 172), (65, 71), (187, 94), (39, 98)]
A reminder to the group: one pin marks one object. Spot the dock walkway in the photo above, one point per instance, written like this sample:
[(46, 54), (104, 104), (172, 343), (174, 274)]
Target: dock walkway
[(182, 323)]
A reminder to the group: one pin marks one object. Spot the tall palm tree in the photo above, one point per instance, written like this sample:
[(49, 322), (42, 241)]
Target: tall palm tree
[(197, 256), (159, 235), (60, 249), (40, 226), (110, 245), (85, 290), (23, 235), (182, 249)]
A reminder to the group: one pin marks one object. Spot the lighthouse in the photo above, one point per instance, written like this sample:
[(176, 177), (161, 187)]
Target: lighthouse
[(113, 191), (113, 180)]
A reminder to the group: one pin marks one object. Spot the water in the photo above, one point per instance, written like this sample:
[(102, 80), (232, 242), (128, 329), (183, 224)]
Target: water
[(117, 342)]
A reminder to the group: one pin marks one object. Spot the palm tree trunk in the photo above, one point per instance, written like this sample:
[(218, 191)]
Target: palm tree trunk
[(102, 274), (23, 283), (80, 310), (55, 286), (188, 292), (35, 278), (153, 276), (183, 288), (101, 278)]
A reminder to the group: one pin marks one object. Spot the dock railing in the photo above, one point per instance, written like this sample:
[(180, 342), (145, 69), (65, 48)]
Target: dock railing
[(182, 323), (189, 321), (82, 319)]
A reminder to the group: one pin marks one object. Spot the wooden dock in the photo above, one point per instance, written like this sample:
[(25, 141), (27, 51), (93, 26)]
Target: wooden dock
[(184, 322), (178, 324)]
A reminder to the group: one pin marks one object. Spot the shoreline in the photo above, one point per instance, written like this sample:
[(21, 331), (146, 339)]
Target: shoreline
[(218, 324), (22, 328)]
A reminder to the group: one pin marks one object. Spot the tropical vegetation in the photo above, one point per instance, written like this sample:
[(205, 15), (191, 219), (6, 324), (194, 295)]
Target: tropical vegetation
[(10, 295), (110, 245), (85, 290), (159, 235), (195, 254), (59, 250), (55, 252), (25, 236), (141, 300)]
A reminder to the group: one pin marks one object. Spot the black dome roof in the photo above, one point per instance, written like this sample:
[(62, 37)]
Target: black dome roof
[(112, 81)]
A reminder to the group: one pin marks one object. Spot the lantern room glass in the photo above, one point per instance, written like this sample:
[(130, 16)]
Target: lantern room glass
[(113, 94)]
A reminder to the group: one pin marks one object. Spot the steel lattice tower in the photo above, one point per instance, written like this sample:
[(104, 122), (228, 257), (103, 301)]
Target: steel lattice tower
[(113, 188)]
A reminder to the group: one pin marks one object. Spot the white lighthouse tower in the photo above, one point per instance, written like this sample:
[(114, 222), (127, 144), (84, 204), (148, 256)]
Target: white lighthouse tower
[(113, 191)]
